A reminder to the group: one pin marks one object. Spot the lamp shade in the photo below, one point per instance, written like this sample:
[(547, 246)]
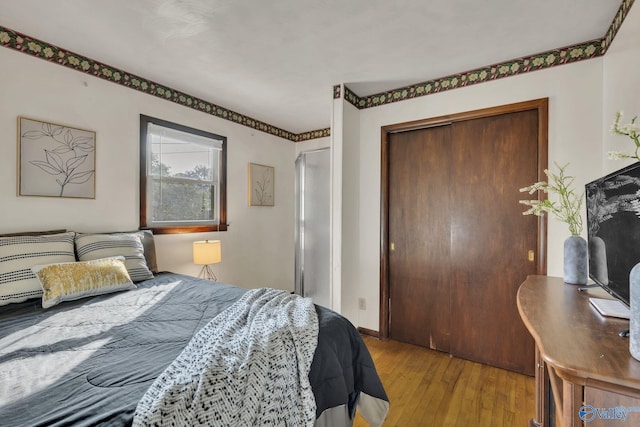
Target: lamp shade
[(207, 252)]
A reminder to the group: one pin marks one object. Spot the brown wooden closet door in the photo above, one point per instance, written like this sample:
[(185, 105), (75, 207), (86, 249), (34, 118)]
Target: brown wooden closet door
[(419, 236), (458, 239), (490, 237)]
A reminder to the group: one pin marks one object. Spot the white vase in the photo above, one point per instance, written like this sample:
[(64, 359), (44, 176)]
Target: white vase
[(576, 261)]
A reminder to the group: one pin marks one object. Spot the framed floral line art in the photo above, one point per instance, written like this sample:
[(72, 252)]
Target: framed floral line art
[(55, 160), (261, 185)]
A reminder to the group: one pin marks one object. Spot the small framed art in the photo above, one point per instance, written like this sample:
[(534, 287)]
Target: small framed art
[(261, 185)]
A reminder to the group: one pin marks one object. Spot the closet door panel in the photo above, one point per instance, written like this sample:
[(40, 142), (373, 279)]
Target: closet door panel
[(419, 236), (490, 238)]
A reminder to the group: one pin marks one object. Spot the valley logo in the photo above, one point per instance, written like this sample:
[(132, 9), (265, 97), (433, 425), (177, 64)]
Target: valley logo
[(588, 413)]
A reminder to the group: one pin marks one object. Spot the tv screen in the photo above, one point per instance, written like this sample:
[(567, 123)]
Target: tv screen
[(613, 221)]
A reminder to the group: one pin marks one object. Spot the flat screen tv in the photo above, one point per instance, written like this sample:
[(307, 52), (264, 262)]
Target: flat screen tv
[(613, 221)]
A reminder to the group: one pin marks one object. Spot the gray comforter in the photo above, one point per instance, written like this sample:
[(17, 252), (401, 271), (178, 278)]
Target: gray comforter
[(89, 362)]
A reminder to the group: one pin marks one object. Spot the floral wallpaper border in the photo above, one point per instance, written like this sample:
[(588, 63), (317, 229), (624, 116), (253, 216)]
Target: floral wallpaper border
[(587, 50), (552, 58), (336, 92)]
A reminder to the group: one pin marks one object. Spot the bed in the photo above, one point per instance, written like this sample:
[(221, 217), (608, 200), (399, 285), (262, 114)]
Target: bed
[(92, 359)]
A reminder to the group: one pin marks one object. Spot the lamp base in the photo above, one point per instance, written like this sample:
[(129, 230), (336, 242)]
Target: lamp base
[(207, 273)]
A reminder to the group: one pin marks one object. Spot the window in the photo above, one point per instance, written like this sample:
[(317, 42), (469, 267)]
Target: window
[(182, 178)]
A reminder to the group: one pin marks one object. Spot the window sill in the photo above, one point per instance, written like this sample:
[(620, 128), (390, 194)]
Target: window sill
[(186, 229)]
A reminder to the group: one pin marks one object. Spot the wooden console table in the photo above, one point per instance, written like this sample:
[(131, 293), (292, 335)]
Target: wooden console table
[(579, 354)]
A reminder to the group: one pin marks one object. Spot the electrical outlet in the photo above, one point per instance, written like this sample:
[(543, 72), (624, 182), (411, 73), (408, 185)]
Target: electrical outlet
[(362, 304)]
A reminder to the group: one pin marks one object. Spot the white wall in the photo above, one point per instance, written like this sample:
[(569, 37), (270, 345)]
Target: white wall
[(575, 131), (258, 249), (621, 87), (353, 265)]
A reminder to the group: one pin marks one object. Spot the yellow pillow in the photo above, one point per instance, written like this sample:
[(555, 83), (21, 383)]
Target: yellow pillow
[(69, 281)]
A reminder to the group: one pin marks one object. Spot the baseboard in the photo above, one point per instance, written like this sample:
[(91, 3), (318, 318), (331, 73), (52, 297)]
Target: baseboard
[(369, 332)]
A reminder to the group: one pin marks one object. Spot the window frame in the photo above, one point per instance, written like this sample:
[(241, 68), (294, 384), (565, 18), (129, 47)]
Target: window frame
[(222, 180)]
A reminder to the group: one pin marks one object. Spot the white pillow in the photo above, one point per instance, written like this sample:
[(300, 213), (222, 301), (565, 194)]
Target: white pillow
[(70, 281), (19, 253), (97, 246)]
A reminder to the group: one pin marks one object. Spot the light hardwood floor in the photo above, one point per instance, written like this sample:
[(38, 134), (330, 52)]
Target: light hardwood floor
[(430, 388)]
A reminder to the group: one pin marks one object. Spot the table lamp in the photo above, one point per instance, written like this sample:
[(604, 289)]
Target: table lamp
[(205, 253)]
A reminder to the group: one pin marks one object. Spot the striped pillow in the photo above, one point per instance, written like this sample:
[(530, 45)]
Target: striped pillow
[(19, 253), (68, 281), (96, 246)]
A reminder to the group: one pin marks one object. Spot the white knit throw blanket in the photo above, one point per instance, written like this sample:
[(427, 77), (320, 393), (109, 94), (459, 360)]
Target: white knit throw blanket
[(249, 366)]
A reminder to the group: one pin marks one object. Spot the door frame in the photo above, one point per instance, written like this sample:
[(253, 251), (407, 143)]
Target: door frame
[(542, 107)]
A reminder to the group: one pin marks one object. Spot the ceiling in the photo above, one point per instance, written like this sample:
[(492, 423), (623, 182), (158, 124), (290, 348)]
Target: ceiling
[(277, 61)]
